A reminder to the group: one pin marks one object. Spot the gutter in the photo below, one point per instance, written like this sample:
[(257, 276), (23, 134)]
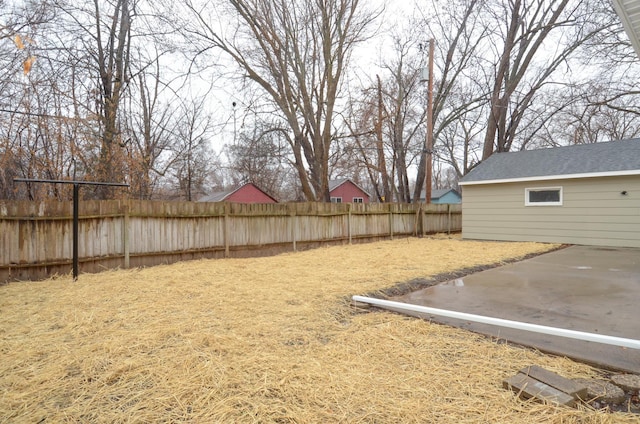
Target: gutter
[(553, 177)]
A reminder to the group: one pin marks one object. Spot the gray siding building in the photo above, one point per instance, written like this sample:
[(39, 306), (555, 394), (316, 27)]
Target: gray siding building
[(583, 194)]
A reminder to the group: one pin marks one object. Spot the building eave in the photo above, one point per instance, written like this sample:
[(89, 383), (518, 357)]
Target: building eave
[(629, 13), (553, 177)]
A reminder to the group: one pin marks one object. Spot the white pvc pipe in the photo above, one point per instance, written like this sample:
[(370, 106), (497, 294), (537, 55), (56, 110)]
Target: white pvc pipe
[(554, 331)]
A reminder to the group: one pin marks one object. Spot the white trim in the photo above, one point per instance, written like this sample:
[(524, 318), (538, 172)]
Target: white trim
[(554, 177), (357, 200), (428, 312), (336, 199), (623, 9), (527, 202)]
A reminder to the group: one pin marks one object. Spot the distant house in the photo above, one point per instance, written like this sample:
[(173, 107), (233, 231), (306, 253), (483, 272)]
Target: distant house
[(443, 196), (246, 193), (582, 194), (346, 191)]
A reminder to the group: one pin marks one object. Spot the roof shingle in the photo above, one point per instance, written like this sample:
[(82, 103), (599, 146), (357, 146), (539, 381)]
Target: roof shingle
[(575, 161)]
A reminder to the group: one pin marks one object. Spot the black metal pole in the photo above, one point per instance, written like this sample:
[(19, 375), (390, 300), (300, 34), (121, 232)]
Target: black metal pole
[(76, 215), (76, 207), (39, 180)]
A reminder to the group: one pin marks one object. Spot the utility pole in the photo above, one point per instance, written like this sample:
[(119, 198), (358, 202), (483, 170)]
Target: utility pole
[(429, 140), (382, 165)]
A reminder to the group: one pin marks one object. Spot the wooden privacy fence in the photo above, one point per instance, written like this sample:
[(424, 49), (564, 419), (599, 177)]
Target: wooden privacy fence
[(36, 237)]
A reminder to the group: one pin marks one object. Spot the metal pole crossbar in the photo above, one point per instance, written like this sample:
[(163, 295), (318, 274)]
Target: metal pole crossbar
[(76, 207), (36, 180)]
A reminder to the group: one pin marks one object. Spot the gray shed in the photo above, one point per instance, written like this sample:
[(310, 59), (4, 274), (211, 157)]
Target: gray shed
[(583, 194)]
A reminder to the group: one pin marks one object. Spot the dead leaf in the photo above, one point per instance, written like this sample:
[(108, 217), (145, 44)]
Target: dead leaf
[(28, 63), (18, 40)]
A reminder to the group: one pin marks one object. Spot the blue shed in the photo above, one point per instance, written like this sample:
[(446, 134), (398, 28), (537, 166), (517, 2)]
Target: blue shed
[(443, 196)]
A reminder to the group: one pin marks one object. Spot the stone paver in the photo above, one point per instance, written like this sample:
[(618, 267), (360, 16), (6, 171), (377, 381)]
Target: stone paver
[(602, 391), (627, 382)]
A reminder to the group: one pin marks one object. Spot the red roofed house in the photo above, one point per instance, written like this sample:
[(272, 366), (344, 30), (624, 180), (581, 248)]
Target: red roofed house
[(246, 193), (346, 191)]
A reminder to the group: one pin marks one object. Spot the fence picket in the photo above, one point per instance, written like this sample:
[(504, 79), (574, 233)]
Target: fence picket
[(35, 236)]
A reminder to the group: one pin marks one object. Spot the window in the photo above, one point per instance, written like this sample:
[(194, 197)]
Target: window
[(358, 200), (543, 196), (336, 200)]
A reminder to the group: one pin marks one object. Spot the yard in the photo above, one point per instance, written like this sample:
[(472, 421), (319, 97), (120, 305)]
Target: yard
[(271, 339)]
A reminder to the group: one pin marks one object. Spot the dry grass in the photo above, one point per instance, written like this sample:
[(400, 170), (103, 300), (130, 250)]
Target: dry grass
[(262, 340)]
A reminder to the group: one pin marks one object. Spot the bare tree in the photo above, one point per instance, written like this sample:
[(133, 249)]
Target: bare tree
[(459, 142), (459, 32), (297, 52), (259, 155), (99, 39), (149, 133), (608, 112), (193, 160), (84, 91), (112, 59), (525, 65), (500, 66), (34, 136), (457, 96), (365, 145), (18, 25), (20, 111), (406, 114), (388, 130)]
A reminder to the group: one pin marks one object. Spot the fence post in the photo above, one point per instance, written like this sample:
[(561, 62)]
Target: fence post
[(349, 221), (449, 218), (390, 220), (294, 226), (425, 222), (225, 233), (75, 228), (125, 235)]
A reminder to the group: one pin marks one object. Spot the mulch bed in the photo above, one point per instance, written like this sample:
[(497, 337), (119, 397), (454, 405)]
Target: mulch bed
[(270, 339)]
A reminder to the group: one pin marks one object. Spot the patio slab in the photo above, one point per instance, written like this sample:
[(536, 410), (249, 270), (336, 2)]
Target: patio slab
[(583, 288)]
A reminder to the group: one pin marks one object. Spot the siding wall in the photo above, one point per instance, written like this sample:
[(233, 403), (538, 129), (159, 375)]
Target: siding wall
[(347, 191), (594, 212)]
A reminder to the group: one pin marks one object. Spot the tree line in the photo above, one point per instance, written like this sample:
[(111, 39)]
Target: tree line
[(295, 93)]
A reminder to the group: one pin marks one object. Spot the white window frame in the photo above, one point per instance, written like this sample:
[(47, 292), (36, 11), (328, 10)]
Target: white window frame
[(530, 189), (358, 200), (336, 200)]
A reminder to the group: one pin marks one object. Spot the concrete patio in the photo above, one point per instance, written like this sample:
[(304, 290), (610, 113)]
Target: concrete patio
[(583, 288)]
